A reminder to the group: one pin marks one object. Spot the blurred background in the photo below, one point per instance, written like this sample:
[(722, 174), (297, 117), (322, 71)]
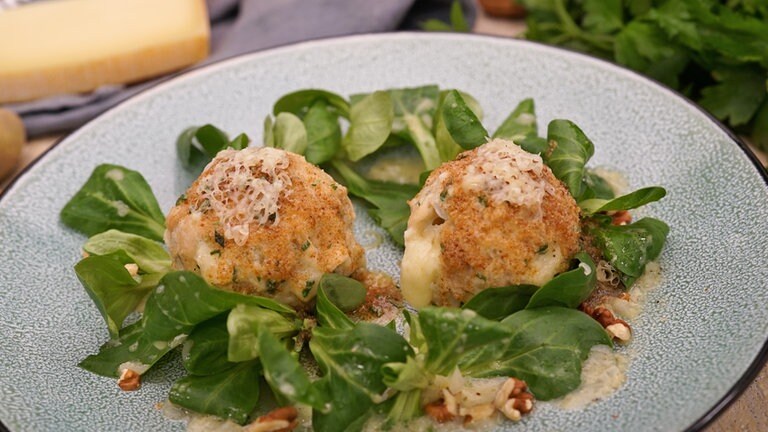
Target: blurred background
[(94, 54), (63, 62)]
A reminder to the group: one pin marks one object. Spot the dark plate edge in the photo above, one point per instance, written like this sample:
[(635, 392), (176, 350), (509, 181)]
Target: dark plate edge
[(713, 413)]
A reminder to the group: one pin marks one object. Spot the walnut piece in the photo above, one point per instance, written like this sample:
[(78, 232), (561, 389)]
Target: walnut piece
[(438, 411), (283, 419), (129, 380), (617, 328), (621, 217), (513, 399)]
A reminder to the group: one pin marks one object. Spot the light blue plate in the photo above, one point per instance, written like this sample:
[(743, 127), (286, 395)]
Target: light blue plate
[(698, 342)]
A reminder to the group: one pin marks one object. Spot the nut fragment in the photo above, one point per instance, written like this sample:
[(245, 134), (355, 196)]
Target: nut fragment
[(513, 399), (618, 328), (129, 380), (133, 268), (619, 331), (282, 419), (450, 402), (621, 217), (438, 411)]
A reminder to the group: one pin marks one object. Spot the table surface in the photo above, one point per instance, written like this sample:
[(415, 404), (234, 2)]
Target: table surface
[(748, 413)]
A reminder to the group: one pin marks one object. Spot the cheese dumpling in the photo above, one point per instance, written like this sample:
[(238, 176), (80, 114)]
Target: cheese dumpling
[(264, 221), (495, 216)]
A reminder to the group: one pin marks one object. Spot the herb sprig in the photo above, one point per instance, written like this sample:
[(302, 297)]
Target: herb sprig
[(713, 52)]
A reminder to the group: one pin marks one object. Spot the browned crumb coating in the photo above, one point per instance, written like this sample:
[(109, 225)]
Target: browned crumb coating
[(309, 234)]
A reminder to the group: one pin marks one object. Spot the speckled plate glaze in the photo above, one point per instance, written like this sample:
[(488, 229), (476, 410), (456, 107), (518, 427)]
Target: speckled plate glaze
[(697, 344)]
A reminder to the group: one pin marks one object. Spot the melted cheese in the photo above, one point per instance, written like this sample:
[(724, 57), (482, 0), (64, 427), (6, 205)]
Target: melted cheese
[(507, 173), (245, 186), (421, 265)]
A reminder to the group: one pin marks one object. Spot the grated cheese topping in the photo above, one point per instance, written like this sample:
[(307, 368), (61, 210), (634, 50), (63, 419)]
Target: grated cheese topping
[(245, 186), (508, 173)]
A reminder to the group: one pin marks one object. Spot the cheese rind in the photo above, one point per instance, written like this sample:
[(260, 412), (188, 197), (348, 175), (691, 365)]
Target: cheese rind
[(71, 46)]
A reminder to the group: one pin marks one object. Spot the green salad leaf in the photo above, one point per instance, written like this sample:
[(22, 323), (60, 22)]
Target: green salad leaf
[(545, 347), (197, 145), (351, 361), (328, 314), (232, 394), (118, 198), (414, 111), (149, 255), (520, 123), (370, 123), (569, 152), (289, 133), (112, 288), (390, 200), (244, 324), (499, 303), (629, 201), (461, 122), (285, 376), (595, 187), (172, 310), (300, 102), (450, 332), (568, 289), (323, 133), (205, 350), (629, 248), (344, 292)]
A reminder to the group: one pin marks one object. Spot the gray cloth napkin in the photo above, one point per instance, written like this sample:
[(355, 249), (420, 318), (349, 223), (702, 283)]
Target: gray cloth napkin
[(241, 26)]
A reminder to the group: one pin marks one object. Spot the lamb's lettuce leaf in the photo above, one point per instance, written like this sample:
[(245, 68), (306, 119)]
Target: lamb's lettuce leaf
[(205, 350), (461, 122), (197, 145), (289, 133), (115, 197), (369, 125), (244, 324), (149, 255), (570, 149), (351, 362), (345, 293), (390, 200), (323, 133), (448, 333), (629, 201), (232, 394), (520, 123), (629, 248), (300, 102), (112, 288), (568, 289), (545, 347), (499, 303), (172, 310), (284, 374)]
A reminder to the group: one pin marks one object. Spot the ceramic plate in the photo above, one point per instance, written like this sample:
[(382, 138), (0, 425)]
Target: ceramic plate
[(696, 346)]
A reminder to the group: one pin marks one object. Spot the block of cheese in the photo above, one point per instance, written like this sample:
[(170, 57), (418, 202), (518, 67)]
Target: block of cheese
[(71, 46)]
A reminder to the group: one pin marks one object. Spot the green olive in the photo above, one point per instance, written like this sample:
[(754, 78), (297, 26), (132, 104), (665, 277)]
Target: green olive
[(346, 293), (12, 139)]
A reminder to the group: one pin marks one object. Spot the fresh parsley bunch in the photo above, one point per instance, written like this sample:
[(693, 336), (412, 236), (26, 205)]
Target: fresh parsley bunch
[(714, 52)]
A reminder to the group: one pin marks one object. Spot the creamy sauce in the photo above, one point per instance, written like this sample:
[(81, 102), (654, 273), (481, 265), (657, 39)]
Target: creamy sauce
[(207, 423), (603, 373), (630, 309), (616, 180)]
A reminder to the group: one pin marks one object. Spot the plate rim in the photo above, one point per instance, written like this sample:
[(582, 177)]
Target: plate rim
[(733, 393)]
